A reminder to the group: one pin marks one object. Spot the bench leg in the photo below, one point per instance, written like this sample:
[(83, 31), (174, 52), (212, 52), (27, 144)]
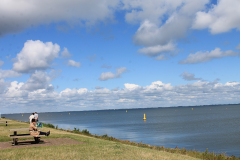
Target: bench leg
[(37, 139), (15, 141)]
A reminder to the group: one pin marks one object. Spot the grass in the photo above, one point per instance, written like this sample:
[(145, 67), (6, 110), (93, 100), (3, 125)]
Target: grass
[(95, 147)]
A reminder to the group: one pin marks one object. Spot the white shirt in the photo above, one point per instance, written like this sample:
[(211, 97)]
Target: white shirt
[(36, 116), (31, 117)]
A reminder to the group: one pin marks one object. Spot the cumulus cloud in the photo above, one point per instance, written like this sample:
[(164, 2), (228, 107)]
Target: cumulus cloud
[(19, 15), (189, 76), (38, 80), (156, 35), (109, 75), (238, 47), (97, 87), (106, 66), (161, 58), (36, 55), (156, 94), (220, 18), (65, 53), (153, 51), (73, 63), (201, 57), (1, 63), (14, 90), (3, 85), (120, 71), (8, 74)]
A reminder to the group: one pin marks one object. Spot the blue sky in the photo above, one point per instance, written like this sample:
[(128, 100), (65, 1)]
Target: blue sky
[(90, 55)]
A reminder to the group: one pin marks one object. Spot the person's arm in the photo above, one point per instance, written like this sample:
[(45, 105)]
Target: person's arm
[(35, 128)]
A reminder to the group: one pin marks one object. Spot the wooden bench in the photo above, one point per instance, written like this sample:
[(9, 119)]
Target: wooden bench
[(15, 136), (4, 122)]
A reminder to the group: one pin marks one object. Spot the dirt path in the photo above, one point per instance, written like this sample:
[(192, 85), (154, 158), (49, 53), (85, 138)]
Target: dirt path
[(43, 142)]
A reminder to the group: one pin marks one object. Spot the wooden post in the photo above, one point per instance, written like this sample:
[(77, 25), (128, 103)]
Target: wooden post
[(15, 139), (6, 123)]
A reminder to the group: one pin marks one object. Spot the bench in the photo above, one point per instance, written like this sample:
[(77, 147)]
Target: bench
[(15, 136), (4, 122)]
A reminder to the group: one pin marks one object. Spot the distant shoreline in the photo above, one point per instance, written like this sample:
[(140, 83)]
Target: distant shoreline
[(213, 105)]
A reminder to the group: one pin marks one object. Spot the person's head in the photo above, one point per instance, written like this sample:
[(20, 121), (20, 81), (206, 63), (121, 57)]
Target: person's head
[(35, 112), (32, 113), (33, 120)]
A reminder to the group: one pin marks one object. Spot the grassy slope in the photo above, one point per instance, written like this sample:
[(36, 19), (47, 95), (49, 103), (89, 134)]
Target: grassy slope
[(93, 148)]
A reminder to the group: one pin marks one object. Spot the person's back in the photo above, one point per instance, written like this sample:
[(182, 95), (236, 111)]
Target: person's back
[(36, 116), (31, 117)]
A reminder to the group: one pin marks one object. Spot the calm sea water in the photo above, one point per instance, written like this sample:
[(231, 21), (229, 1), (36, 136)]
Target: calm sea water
[(214, 127)]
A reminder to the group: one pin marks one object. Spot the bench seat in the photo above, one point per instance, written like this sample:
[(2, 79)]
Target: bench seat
[(24, 136)]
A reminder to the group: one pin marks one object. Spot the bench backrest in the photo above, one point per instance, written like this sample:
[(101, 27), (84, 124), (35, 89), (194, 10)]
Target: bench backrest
[(19, 129)]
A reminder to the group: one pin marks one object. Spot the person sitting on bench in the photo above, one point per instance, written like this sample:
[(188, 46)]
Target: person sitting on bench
[(33, 130)]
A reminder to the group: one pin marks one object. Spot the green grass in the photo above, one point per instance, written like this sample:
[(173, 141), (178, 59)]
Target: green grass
[(95, 147)]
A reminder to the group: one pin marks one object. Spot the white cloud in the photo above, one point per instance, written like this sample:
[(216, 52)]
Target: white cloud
[(65, 53), (131, 86), (189, 76), (107, 75), (18, 15), (161, 58), (156, 35), (73, 63), (1, 63), (8, 74), (36, 55), (220, 18), (14, 90), (156, 50), (120, 71), (238, 47), (106, 66), (38, 80), (157, 94), (3, 86), (201, 57), (97, 87)]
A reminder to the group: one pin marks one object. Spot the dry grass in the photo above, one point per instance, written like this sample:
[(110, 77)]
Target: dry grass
[(94, 148)]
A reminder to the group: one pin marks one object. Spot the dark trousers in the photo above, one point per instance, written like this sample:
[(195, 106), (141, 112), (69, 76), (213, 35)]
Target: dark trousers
[(42, 133)]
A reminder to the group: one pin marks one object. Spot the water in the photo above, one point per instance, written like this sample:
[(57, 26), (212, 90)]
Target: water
[(214, 127)]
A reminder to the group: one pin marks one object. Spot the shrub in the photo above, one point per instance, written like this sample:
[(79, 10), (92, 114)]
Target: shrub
[(105, 136), (85, 131), (48, 125), (76, 130)]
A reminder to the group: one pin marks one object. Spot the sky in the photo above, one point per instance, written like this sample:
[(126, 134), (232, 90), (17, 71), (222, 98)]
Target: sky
[(73, 55)]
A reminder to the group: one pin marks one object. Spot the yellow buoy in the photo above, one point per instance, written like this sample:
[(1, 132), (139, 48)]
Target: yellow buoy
[(192, 108), (69, 113), (22, 114), (144, 117), (126, 110)]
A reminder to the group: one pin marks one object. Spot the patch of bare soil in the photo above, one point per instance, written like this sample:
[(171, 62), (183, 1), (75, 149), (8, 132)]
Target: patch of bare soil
[(43, 142)]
